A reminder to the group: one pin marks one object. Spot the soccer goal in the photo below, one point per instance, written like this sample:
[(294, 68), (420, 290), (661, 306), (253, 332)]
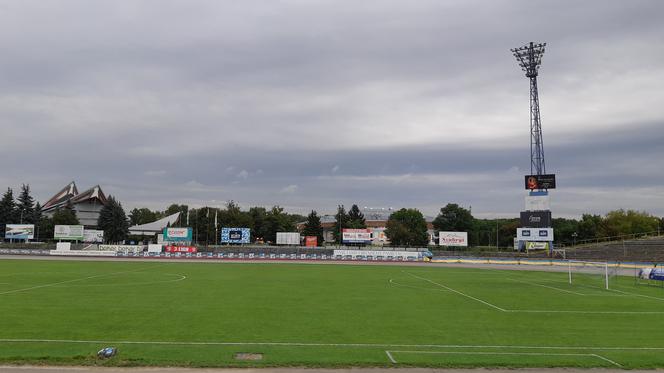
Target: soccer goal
[(591, 274)]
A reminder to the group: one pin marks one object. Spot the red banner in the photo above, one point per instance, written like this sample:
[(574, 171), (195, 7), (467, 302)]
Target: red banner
[(180, 249), (311, 241)]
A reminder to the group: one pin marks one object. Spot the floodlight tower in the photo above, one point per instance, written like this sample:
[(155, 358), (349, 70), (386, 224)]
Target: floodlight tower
[(530, 58)]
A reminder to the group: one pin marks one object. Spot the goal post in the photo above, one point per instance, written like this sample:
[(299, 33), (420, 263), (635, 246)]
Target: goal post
[(595, 274)]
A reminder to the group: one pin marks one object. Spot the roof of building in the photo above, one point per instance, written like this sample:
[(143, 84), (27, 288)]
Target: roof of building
[(154, 227), (70, 194), (94, 193)]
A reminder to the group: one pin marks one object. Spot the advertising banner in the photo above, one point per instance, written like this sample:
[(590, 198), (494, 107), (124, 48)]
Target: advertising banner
[(538, 203), (453, 238), (235, 235), (540, 181), (356, 235), (93, 235), (288, 238), (180, 249), (20, 231), (68, 232), (536, 219), (311, 241), (537, 245), (534, 234), (177, 234)]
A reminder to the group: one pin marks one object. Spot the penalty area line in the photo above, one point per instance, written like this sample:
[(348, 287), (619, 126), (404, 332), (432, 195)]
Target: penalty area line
[(393, 360), (458, 292)]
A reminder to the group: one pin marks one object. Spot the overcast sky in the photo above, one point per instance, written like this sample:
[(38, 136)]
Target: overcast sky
[(310, 104)]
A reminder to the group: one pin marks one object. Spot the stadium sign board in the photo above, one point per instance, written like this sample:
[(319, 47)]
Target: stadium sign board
[(538, 203), (235, 235), (356, 235), (288, 238), (536, 219), (537, 245), (453, 238), (20, 231), (311, 241), (93, 235), (178, 234), (68, 232), (540, 181), (534, 234)]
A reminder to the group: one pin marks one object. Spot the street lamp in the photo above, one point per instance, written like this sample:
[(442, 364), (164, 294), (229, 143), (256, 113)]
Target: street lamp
[(574, 235)]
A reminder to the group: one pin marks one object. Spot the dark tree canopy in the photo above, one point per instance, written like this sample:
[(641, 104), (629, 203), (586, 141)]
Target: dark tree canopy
[(7, 210), (356, 218), (453, 218), (25, 206), (407, 227), (113, 221), (341, 222), (313, 227), (65, 216)]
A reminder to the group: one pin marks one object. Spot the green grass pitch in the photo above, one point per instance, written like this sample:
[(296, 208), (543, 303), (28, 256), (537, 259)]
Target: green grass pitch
[(202, 314)]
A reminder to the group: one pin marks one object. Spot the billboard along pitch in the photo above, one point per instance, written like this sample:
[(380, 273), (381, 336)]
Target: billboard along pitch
[(20, 231), (235, 235), (178, 234), (453, 238), (68, 232)]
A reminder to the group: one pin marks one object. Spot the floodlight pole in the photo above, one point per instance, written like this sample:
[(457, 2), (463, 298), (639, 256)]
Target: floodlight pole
[(529, 58)]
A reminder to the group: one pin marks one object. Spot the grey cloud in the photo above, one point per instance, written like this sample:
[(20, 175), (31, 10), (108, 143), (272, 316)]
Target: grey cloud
[(386, 102)]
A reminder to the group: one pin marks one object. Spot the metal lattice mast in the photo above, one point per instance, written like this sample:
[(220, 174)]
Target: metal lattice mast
[(530, 58)]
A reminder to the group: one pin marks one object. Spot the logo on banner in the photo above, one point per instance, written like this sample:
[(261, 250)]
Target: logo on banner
[(453, 238)]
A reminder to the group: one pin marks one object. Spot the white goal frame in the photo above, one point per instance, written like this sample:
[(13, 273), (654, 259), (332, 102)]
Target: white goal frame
[(599, 265)]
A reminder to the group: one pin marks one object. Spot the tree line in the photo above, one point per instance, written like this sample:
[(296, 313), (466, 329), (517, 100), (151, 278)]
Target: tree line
[(405, 227)]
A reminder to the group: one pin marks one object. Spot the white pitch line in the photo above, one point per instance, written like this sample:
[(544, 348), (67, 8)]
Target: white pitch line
[(458, 292), (307, 344), (609, 360), (540, 311), (69, 281), (501, 353), (389, 355), (636, 295), (414, 287), (546, 286)]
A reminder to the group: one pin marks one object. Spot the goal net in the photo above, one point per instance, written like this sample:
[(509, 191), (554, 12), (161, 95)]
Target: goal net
[(591, 274)]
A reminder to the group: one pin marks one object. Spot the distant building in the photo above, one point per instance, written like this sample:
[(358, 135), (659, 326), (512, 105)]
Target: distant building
[(376, 221), (87, 204)]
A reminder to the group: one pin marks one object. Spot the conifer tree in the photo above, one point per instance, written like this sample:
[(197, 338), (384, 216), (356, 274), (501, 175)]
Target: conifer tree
[(313, 227), (113, 221)]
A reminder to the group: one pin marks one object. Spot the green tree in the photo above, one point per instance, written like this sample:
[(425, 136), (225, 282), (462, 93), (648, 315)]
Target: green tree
[(7, 210), (141, 216), (624, 222), (589, 227), (25, 206), (564, 229), (407, 227), (113, 221), (65, 216), (44, 229), (313, 227), (277, 221), (453, 218), (341, 222), (356, 218), (258, 228)]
